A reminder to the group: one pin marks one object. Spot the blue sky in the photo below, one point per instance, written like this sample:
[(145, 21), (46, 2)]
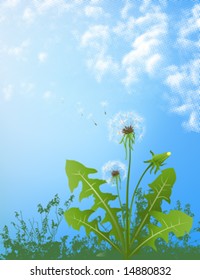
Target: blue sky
[(64, 63)]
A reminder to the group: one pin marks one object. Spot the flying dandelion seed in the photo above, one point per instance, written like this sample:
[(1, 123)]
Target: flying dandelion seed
[(90, 117), (104, 105), (123, 120), (80, 109)]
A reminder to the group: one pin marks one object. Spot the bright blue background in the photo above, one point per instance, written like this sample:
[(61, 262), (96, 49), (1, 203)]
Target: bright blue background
[(41, 95)]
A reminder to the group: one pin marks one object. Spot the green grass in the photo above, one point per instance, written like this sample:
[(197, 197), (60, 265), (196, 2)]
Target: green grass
[(35, 240)]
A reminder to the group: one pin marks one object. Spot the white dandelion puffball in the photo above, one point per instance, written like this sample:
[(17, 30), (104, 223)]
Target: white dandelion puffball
[(126, 119), (111, 166)]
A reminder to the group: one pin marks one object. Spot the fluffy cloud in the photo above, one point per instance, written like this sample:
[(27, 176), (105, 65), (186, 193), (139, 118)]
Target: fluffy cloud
[(7, 92), (152, 63), (93, 11), (6, 6), (11, 3), (125, 9), (102, 64), (61, 5), (95, 2), (96, 38), (189, 30), (147, 4), (18, 51), (184, 82), (42, 57), (146, 48), (28, 15), (143, 35)]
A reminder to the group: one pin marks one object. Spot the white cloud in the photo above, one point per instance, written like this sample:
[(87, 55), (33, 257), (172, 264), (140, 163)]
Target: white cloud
[(61, 5), (28, 15), (148, 4), (96, 36), (145, 5), (78, 1), (44, 5), (184, 82), (18, 51), (193, 124), (189, 31), (95, 2), (93, 11), (11, 3), (131, 76), (126, 9), (7, 92), (2, 18), (126, 30), (146, 51), (101, 65), (143, 35), (5, 6), (152, 63), (176, 79), (42, 56)]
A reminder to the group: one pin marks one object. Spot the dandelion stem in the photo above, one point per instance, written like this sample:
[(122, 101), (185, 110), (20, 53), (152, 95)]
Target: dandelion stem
[(136, 188), (120, 202), (127, 202)]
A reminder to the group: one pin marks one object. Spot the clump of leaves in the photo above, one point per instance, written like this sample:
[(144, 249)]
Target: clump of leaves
[(127, 236), (36, 240)]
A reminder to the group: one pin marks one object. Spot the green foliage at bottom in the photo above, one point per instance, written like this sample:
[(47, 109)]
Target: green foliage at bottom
[(37, 241)]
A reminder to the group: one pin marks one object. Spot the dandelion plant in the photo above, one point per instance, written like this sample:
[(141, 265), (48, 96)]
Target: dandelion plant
[(117, 224)]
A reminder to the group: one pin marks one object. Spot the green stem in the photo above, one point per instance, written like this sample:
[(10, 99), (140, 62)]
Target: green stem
[(137, 186), (120, 202), (127, 203)]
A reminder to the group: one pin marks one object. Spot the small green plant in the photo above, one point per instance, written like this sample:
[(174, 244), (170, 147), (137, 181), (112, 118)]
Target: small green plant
[(36, 240), (126, 231), (87, 247)]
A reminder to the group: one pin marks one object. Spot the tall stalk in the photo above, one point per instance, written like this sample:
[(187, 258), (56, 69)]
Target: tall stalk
[(127, 230), (136, 188), (118, 180)]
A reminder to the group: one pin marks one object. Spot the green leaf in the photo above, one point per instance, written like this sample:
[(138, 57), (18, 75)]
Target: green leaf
[(175, 222), (161, 189), (77, 218), (78, 173)]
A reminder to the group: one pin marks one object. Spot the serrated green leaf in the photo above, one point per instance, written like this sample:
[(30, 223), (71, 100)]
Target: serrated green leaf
[(161, 189), (78, 173), (175, 222), (77, 218)]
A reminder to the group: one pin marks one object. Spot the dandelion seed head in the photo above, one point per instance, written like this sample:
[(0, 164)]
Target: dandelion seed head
[(112, 169), (122, 120)]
